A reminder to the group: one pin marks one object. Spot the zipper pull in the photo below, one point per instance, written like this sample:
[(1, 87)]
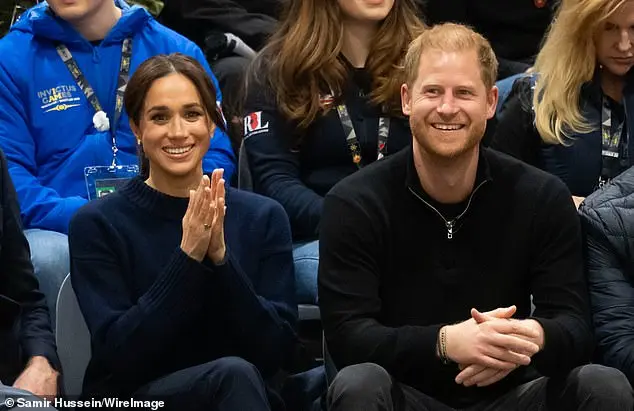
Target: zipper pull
[(450, 229)]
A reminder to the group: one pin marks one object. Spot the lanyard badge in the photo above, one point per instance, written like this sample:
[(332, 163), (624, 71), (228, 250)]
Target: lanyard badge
[(614, 157), (103, 180), (353, 141)]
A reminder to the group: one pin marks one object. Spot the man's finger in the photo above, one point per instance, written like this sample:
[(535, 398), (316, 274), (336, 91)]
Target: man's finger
[(503, 354), (494, 378), (511, 327), (498, 313), (491, 362), (469, 372), (503, 312), (513, 343), (483, 375)]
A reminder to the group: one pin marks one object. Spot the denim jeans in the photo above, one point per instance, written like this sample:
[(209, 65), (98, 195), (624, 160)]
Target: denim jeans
[(306, 259), (21, 400), (51, 262)]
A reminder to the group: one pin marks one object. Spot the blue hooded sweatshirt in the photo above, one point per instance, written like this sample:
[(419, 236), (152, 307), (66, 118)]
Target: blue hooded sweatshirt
[(46, 126)]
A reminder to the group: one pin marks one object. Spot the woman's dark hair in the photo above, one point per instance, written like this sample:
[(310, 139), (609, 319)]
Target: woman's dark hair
[(161, 66)]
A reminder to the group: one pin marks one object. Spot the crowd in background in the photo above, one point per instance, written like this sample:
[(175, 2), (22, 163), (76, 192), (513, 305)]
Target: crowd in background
[(447, 182)]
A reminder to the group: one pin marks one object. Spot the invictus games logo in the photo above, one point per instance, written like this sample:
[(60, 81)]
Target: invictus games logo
[(60, 98)]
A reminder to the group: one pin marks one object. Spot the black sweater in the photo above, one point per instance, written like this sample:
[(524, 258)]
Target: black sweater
[(299, 176), (25, 326), (390, 278), (152, 310)]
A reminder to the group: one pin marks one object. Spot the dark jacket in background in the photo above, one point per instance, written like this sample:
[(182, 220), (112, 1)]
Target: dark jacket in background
[(251, 20), (25, 328), (514, 28), (608, 223), (390, 278), (298, 175), (579, 163)]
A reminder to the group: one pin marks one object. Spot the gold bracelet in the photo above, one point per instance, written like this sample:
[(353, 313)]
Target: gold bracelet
[(443, 346)]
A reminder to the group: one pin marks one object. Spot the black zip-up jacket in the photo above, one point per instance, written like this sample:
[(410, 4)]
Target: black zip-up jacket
[(607, 218), (252, 21), (393, 270), (25, 326)]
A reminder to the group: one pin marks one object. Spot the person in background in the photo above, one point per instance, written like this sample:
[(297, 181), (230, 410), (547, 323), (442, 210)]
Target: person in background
[(64, 67), (606, 219), (251, 21), (572, 117), (230, 32), (28, 359), (514, 28), (187, 289), (425, 301), (322, 101)]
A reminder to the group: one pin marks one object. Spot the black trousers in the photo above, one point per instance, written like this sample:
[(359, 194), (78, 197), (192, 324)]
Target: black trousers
[(369, 387), (226, 384)]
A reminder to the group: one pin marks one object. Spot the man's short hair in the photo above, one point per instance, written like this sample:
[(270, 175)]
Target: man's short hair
[(452, 37)]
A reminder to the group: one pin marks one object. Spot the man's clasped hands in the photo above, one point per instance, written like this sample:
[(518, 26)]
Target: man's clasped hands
[(489, 346)]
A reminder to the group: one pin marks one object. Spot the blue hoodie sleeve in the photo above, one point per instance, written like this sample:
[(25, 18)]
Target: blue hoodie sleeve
[(42, 207), (220, 154)]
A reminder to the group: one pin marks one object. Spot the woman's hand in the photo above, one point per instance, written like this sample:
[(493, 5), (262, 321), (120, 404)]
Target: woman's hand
[(196, 227), (217, 249)]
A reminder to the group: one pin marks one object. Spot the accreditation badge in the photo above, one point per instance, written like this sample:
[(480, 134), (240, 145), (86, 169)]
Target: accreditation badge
[(104, 180)]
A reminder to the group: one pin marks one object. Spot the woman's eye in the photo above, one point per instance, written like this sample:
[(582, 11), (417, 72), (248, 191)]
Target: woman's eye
[(159, 118), (193, 115)]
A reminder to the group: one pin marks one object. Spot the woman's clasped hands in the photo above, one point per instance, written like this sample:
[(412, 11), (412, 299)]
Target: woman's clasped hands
[(203, 223)]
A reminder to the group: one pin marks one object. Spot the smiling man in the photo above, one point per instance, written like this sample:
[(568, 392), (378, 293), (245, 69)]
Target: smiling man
[(429, 259)]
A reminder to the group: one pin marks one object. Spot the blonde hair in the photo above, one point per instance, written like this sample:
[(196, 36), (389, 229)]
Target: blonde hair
[(302, 57), (565, 62), (452, 37)]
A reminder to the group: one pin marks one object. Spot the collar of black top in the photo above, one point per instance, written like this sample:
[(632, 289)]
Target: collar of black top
[(412, 181)]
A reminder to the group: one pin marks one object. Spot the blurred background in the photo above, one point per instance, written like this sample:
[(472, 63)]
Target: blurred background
[(11, 10)]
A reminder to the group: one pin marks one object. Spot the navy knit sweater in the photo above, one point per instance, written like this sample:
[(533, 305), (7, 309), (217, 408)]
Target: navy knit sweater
[(152, 310)]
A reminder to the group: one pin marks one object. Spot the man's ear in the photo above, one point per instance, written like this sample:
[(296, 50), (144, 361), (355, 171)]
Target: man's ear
[(405, 100), (492, 101)]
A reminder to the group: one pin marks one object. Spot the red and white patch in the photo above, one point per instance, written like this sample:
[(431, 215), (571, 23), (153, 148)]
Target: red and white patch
[(253, 124), (326, 100)]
